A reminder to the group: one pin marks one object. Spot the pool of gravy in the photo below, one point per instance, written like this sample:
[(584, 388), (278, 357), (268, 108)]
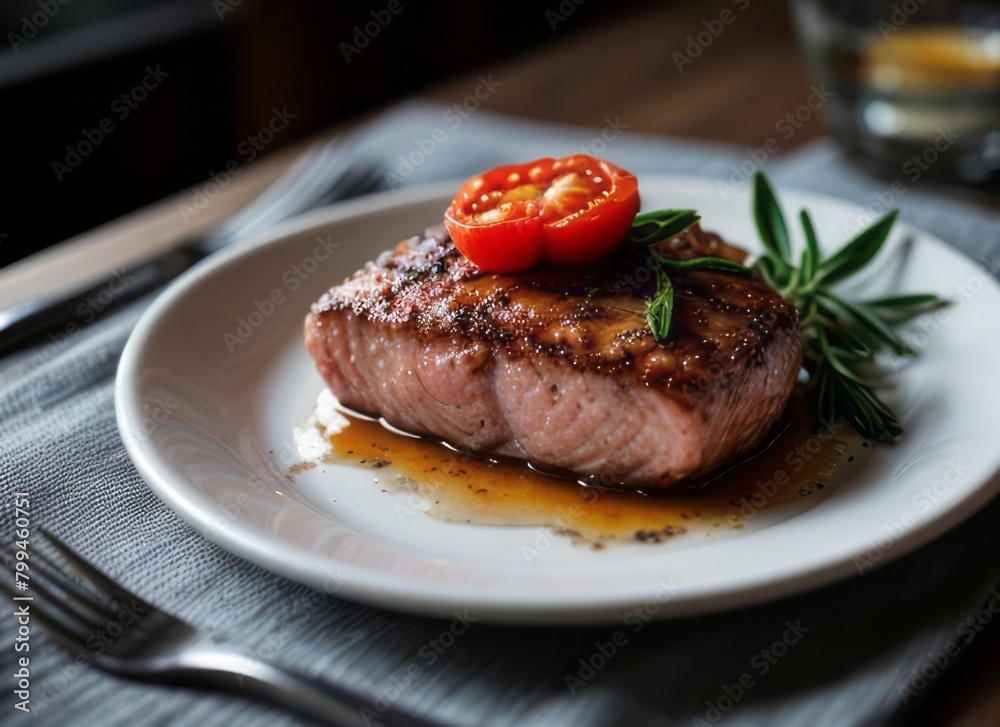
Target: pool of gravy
[(796, 462)]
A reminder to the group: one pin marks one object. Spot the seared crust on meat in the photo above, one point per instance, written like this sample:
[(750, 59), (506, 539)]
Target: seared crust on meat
[(487, 361)]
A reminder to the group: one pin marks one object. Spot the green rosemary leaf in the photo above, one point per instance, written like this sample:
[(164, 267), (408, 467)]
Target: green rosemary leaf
[(853, 337), (860, 316), (901, 308), (865, 421), (771, 223), (852, 346), (637, 252), (920, 300), (660, 307), (826, 400), (811, 253), (717, 264), (833, 356), (863, 410), (868, 395), (768, 270), (651, 227), (916, 304), (840, 337), (879, 422), (858, 252)]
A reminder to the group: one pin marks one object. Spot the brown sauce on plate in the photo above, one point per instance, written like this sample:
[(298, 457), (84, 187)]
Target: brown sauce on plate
[(796, 462)]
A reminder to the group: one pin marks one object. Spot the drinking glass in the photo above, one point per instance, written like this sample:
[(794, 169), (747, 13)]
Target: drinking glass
[(915, 83)]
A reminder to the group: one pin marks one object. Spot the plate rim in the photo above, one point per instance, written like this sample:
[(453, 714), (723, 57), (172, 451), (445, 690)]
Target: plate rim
[(374, 588)]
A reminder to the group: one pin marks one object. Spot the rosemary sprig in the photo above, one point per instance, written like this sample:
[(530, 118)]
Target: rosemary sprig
[(650, 228), (841, 337), (660, 306)]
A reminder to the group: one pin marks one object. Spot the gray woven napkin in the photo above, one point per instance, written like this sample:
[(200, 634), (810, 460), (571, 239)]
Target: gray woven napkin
[(858, 652)]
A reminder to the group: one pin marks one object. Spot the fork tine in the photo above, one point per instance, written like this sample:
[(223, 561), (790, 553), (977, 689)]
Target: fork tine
[(363, 178), (88, 572), (270, 201), (333, 165), (372, 179), (176, 652), (87, 605), (305, 193), (51, 611), (360, 180), (319, 176), (316, 163), (302, 176)]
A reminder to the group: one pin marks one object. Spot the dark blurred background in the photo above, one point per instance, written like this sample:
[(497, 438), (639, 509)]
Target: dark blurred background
[(111, 104)]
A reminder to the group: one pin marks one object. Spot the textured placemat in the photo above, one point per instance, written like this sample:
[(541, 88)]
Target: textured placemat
[(847, 654)]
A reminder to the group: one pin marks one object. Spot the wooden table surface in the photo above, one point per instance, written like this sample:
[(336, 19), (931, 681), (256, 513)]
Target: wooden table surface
[(736, 90)]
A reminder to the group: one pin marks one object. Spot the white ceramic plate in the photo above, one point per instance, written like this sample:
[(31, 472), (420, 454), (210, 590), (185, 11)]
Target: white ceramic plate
[(215, 378)]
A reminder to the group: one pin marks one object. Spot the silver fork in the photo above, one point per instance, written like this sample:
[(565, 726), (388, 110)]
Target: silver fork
[(324, 173), (76, 602)]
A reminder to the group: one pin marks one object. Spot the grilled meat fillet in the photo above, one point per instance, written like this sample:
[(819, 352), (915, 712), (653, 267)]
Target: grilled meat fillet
[(557, 365)]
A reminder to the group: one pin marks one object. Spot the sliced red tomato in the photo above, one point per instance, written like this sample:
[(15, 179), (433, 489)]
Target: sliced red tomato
[(566, 211)]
